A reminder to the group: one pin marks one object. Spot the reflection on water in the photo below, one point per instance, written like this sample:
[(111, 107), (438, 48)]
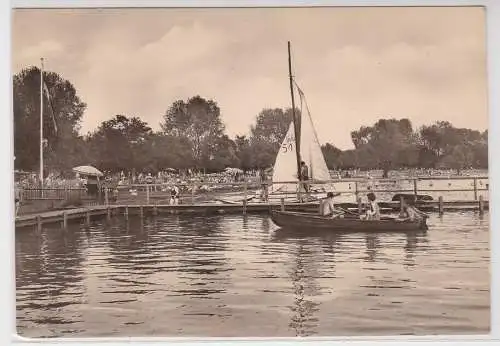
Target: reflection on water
[(242, 276)]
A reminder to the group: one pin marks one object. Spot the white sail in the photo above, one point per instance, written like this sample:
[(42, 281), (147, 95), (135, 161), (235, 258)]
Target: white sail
[(285, 166), (310, 150)]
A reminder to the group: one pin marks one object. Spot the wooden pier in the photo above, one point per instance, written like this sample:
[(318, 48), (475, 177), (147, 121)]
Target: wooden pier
[(63, 217)]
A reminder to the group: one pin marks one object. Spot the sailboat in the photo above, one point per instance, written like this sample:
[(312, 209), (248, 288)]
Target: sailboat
[(307, 148), (301, 144), (285, 167)]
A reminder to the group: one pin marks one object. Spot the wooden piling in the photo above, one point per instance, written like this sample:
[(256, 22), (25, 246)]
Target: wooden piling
[(155, 210), (356, 189), (481, 205), (360, 206), (106, 196), (87, 217), (126, 213), (441, 205), (65, 220), (38, 223), (282, 204), (401, 203), (141, 211), (108, 213), (147, 194), (245, 190), (192, 192), (475, 188), (415, 187)]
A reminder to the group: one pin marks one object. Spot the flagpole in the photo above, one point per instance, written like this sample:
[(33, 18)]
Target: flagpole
[(41, 124)]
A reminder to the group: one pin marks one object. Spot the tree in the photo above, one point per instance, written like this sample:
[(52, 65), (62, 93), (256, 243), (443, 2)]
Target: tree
[(224, 154), (167, 152), (63, 111), (386, 141), (118, 144), (243, 153), (332, 155), (199, 121), (440, 141), (271, 125), (267, 134), (460, 157)]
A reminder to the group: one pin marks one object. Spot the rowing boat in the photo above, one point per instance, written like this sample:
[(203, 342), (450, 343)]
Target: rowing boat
[(308, 221)]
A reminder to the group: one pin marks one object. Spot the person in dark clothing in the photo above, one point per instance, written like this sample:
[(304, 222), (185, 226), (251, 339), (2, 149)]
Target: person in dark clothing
[(92, 186), (304, 175)]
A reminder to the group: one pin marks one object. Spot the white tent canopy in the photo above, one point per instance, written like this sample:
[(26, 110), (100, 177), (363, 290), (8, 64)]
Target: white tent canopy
[(88, 170)]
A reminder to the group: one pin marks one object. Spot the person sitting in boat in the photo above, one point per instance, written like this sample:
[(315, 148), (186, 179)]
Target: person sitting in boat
[(373, 211), (409, 212), (327, 207)]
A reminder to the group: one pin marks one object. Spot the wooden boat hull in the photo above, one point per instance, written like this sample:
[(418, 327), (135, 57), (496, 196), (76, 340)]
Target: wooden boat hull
[(306, 221), (236, 201)]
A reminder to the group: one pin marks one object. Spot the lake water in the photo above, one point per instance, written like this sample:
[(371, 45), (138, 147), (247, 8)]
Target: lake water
[(242, 276)]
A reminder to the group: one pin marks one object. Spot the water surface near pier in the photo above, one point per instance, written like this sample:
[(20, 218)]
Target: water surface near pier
[(241, 276)]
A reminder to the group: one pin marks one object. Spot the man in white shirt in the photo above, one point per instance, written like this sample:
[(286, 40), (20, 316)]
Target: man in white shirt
[(373, 212)]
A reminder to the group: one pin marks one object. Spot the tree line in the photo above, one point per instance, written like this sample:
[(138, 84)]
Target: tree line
[(193, 135)]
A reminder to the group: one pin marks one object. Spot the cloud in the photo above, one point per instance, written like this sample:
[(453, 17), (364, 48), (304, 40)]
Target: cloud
[(355, 65), (45, 49)]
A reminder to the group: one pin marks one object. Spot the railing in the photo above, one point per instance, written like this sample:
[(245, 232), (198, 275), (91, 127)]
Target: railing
[(467, 188), (51, 193), (464, 188)]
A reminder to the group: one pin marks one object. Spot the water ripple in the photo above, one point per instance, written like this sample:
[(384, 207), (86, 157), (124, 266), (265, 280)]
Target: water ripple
[(236, 275)]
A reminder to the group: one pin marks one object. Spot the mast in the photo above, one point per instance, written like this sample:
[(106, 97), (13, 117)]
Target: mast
[(294, 118), (41, 124)]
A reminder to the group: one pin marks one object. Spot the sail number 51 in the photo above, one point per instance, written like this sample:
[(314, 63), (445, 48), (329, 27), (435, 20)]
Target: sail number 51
[(287, 147)]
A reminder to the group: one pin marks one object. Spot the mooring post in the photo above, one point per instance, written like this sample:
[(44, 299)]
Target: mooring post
[(108, 213), (147, 194), (126, 213), (87, 217), (141, 211), (38, 223), (155, 210), (360, 206), (356, 189), (475, 188), (481, 205), (65, 220), (415, 187), (401, 203), (106, 196), (282, 204), (441, 205), (192, 192), (245, 198)]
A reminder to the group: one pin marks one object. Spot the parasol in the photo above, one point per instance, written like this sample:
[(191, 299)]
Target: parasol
[(88, 170), (233, 170)]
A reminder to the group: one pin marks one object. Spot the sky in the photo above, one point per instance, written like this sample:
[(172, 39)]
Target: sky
[(355, 65)]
